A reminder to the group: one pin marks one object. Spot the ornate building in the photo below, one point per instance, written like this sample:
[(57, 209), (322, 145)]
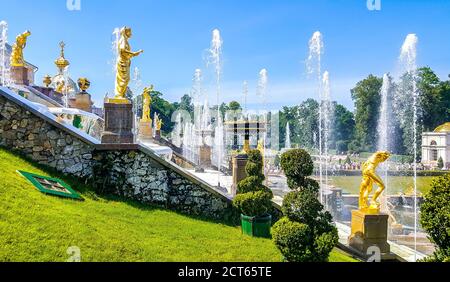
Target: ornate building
[(436, 145)]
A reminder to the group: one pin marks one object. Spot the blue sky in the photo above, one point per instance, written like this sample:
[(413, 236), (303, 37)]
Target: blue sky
[(271, 34)]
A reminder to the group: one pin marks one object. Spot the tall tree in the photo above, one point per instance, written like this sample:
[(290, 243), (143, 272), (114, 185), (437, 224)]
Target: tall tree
[(367, 99), (344, 127)]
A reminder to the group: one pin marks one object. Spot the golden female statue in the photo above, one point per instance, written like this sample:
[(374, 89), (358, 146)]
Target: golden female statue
[(369, 179), (17, 49), (147, 101), (123, 66)]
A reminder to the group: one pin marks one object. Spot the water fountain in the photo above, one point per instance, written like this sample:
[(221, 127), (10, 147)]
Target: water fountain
[(287, 143), (245, 94), (384, 133), (4, 64), (66, 89), (313, 64), (327, 115), (215, 58), (262, 93), (407, 59)]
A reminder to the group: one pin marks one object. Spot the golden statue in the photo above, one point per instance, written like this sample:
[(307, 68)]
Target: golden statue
[(17, 49), (84, 84), (47, 80), (158, 122), (123, 66), (147, 101), (60, 86), (369, 179)]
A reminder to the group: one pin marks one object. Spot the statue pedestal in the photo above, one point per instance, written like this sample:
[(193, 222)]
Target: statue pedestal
[(205, 156), (369, 230), (239, 174), (145, 130), (118, 124), (157, 134), (83, 102), (19, 75)]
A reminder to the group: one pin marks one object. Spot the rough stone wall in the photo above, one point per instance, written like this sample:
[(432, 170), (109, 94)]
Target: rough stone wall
[(135, 175), (34, 137), (129, 173)]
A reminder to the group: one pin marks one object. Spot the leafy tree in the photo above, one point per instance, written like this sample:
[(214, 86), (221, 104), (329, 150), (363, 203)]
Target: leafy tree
[(431, 99), (185, 105), (234, 106), (435, 218), (164, 109), (344, 127), (305, 233), (367, 99)]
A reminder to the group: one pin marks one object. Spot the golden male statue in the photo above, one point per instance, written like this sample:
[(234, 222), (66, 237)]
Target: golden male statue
[(123, 65), (147, 101), (369, 179), (17, 49)]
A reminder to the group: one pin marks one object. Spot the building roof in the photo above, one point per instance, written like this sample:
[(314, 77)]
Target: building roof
[(443, 128)]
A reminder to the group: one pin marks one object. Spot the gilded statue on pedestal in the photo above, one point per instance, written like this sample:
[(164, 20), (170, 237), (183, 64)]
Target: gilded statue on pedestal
[(369, 179), (17, 49), (123, 66), (147, 101)]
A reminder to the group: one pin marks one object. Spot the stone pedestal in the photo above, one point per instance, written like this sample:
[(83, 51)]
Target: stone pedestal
[(205, 156), (369, 230), (19, 75), (239, 163), (83, 102), (157, 134), (145, 131), (118, 124)]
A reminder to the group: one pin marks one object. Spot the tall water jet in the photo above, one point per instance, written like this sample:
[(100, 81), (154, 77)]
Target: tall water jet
[(262, 93), (287, 142), (115, 37), (408, 57), (327, 116), (196, 96), (4, 68), (215, 58), (313, 65), (245, 94), (384, 132), (66, 86)]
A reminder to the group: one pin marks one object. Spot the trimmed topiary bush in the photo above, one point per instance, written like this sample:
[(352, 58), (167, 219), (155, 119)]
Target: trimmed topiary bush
[(305, 233), (253, 198), (435, 217)]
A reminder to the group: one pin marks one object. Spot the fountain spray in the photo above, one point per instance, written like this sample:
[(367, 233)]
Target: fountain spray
[(262, 92), (3, 58), (216, 59), (408, 58), (313, 64)]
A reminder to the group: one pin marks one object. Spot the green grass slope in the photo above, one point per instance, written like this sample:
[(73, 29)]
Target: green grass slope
[(38, 227)]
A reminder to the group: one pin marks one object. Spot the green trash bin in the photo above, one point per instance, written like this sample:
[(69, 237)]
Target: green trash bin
[(258, 226)]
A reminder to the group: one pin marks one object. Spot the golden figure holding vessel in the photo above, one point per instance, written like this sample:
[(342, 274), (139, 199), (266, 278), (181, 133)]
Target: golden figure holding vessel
[(17, 59), (147, 101), (370, 178), (123, 66)]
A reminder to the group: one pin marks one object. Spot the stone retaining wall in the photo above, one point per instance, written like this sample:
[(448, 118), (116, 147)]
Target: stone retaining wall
[(135, 172)]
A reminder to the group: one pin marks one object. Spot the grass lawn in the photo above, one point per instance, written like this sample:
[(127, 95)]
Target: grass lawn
[(37, 227), (395, 184)]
